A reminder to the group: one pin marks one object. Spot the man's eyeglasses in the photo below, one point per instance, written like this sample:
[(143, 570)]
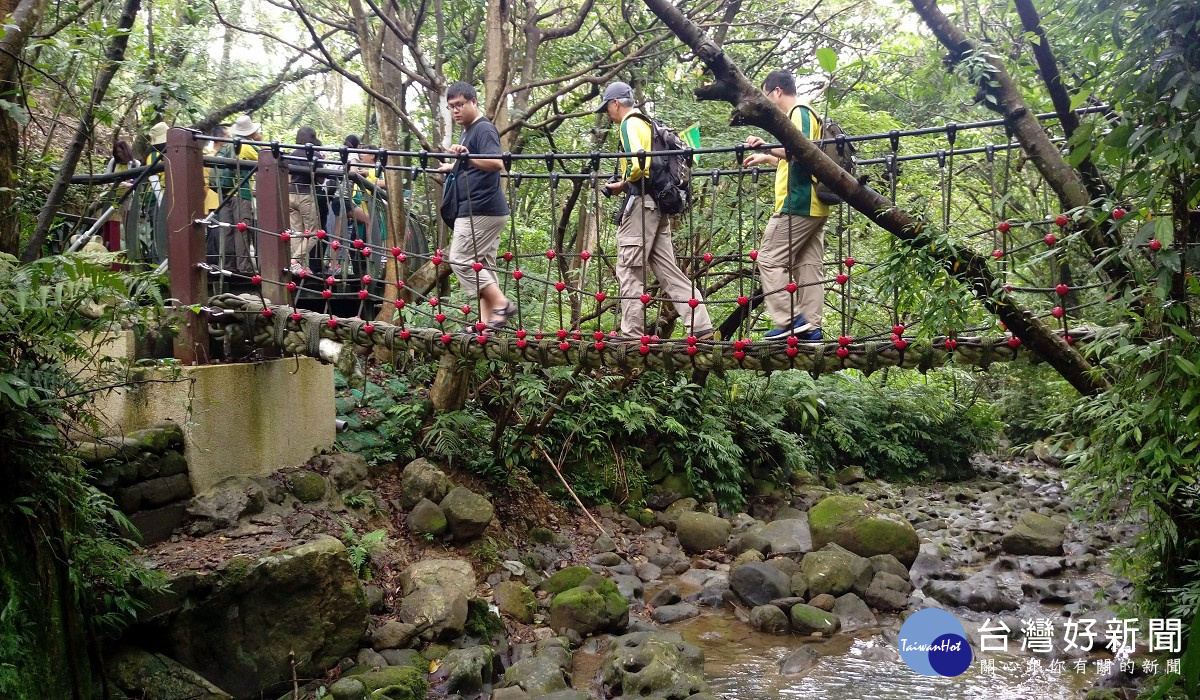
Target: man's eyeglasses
[(456, 106)]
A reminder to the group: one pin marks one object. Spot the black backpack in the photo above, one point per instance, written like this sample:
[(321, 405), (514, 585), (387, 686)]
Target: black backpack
[(670, 186), (842, 154)]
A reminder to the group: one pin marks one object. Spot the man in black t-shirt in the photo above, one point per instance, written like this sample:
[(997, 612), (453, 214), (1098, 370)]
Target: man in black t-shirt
[(482, 208)]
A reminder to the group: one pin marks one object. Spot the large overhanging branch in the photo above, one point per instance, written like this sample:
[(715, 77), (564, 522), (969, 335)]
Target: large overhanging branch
[(1047, 65), (1067, 185), (752, 108)]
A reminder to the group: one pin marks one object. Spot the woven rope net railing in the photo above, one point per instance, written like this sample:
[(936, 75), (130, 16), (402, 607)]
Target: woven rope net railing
[(558, 255)]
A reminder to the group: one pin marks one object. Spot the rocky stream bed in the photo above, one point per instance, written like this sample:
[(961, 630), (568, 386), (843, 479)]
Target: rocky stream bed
[(801, 596)]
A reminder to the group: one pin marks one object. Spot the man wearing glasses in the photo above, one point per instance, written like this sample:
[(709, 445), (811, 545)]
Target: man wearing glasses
[(793, 244), (482, 208)]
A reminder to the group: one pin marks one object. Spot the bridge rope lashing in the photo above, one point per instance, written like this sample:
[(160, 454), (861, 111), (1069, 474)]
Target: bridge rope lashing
[(294, 331)]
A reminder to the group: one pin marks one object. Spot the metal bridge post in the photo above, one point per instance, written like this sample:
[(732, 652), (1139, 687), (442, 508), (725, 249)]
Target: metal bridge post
[(184, 200)]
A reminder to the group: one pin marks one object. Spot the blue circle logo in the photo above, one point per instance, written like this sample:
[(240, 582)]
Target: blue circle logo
[(934, 643)]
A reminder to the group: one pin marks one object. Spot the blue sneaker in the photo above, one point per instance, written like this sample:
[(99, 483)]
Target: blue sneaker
[(799, 326), (811, 335)]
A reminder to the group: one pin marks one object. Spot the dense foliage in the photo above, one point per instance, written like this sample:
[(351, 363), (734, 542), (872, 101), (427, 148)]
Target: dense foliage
[(66, 575), (607, 433)]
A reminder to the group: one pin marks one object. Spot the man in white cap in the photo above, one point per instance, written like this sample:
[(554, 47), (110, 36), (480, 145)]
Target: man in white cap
[(236, 193), (644, 234)]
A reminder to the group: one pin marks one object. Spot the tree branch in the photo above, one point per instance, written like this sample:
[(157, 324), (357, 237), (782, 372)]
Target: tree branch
[(752, 108), (1072, 193)]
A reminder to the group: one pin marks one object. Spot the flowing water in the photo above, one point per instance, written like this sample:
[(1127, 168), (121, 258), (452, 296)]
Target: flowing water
[(742, 663)]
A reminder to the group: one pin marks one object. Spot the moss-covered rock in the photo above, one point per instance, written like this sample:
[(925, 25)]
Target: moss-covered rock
[(306, 486), (564, 579), (468, 670), (388, 683), (237, 630), (835, 571), (467, 513), (516, 600), (541, 535), (862, 528), (595, 605), (1035, 534), (141, 674), (806, 619), (701, 532), (420, 479), (427, 518), (439, 612), (653, 665)]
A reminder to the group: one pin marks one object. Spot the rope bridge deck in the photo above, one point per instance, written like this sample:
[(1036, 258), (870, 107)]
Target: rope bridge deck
[(296, 331)]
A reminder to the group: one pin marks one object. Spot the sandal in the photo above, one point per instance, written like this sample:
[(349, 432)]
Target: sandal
[(502, 322)]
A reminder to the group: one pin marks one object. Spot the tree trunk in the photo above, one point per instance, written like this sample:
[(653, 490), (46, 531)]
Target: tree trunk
[(18, 19), (495, 65), (752, 108), (1067, 185), (83, 132)]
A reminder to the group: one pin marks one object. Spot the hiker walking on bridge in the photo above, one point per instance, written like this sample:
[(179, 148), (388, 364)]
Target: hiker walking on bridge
[(644, 233), (793, 245), (482, 209)]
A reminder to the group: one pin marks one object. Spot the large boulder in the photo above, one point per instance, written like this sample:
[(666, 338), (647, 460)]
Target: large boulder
[(652, 665), (543, 675), (468, 670), (538, 676), (981, 593), (787, 536), (307, 486), (769, 619), (427, 519), (595, 605), (420, 479), (140, 674), (700, 532), (346, 469), (758, 583), (806, 619), (449, 573), (238, 627), (563, 579), (888, 592), (835, 571), (514, 599), (467, 513), (224, 503), (862, 528), (853, 614), (1035, 534), (438, 612), (388, 683)]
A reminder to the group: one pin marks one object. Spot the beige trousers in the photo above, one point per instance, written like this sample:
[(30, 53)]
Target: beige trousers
[(644, 242), (302, 216), (792, 250), (476, 239)]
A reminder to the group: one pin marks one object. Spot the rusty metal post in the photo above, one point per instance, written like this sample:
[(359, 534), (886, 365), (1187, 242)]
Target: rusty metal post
[(271, 191), (184, 200)]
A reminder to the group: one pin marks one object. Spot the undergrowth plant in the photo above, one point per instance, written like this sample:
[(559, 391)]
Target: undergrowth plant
[(67, 575)]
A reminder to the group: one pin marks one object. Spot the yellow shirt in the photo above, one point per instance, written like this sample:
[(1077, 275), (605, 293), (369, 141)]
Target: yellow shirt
[(794, 190), (635, 136)]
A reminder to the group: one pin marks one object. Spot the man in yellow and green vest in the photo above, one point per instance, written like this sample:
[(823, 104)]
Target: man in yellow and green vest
[(793, 245), (644, 234)]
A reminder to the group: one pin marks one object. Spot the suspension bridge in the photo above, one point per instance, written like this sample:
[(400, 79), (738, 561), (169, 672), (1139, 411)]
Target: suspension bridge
[(364, 286)]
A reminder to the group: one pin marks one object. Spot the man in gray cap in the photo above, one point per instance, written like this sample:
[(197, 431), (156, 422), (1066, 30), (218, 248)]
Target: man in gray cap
[(644, 234)]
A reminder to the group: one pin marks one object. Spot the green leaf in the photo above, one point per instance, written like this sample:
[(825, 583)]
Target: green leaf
[(1079, 98), (828, 59)]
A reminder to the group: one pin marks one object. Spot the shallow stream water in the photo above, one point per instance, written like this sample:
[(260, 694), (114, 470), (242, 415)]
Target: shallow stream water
[(742, 663)]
